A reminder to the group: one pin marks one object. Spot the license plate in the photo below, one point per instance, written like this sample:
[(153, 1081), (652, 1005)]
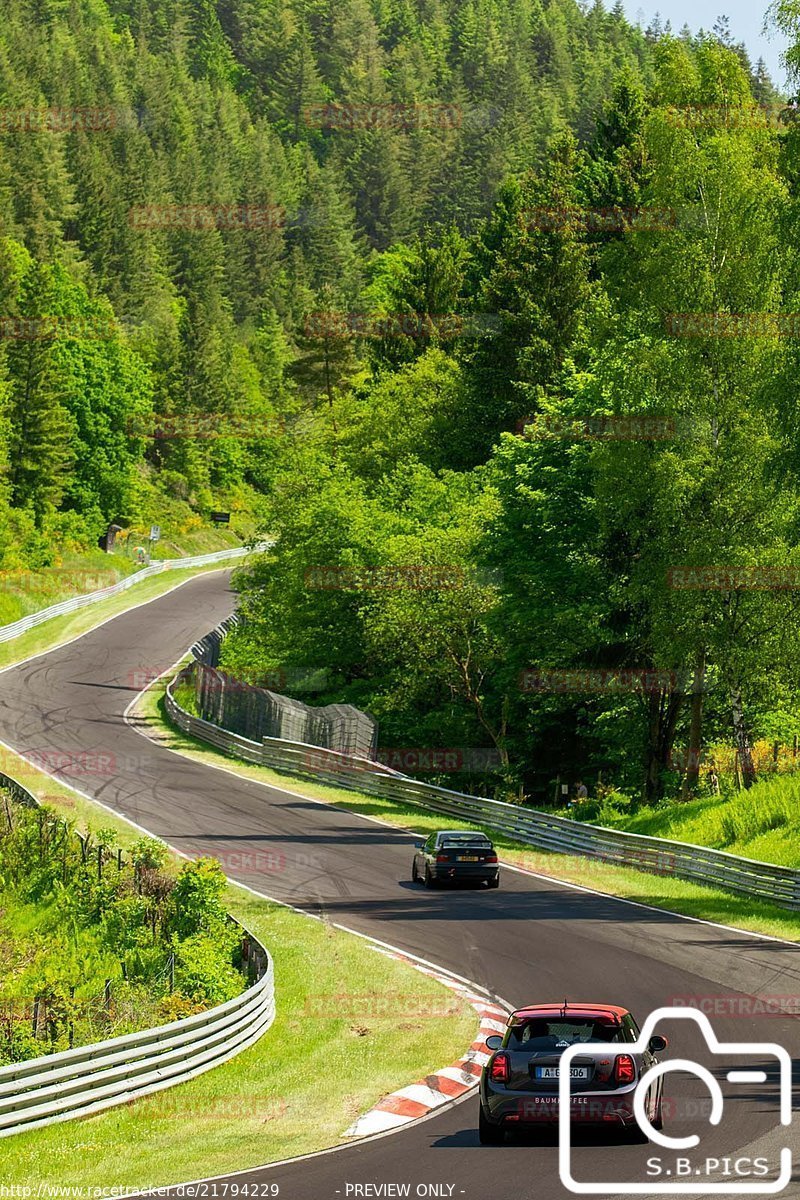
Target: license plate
[(554, 1072), (467, 858)]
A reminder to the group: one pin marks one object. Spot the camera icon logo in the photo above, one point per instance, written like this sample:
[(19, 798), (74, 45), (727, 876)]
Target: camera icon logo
[(694, 1184)]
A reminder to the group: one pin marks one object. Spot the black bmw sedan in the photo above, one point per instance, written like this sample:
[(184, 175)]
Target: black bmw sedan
[(456, 856)]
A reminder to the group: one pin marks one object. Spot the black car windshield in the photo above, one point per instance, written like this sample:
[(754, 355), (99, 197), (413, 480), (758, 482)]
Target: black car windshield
[(557, 1033)]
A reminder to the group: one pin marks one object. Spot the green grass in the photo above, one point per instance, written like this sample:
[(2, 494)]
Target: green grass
[(330, 1055), (24, 591), (676, 895), (204, 540), (762, 823), (35, 947), (55, 632)]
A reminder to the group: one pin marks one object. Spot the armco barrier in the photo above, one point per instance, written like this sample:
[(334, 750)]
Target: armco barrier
[(88, 1079), (7, 632), (656, 856)]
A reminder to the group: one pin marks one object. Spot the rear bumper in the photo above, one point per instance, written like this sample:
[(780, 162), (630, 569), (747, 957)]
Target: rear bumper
[(464, 873), (592, 1108)]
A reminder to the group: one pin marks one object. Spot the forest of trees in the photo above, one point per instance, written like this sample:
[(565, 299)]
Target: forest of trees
[(420, 268), (116, 116)]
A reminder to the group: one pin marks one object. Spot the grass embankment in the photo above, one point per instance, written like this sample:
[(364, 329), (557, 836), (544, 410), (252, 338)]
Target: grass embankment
[(335, 1048), (26, 590), (762, 823), (676, 895), (55, 632)]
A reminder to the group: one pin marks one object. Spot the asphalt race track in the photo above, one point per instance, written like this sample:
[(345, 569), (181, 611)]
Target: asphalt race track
[(532, 940)]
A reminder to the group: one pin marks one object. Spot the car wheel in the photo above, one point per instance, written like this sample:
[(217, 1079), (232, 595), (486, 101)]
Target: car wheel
[(414, 872), (658, 1119), (430, 882), (489, 1134), (494, 883)]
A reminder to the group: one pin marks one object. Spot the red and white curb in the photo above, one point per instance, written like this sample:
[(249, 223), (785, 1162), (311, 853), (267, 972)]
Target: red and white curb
[(418, 1099)]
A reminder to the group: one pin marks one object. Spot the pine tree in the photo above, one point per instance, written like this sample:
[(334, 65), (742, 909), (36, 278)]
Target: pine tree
[(41, 433)]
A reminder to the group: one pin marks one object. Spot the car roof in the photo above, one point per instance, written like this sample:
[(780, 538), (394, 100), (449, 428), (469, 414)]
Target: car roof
[(572, 1008)]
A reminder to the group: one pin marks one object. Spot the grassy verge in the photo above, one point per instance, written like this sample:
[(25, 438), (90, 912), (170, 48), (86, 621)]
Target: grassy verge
[(332, 1052), (762, 823), (55, 632), (25, 591), (676, 895)]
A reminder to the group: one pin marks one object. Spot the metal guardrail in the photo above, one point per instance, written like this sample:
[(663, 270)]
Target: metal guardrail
[(7, 632), (89, 1079), (656, 856)]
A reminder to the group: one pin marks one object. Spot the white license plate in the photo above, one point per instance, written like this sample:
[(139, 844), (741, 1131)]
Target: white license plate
[(554, 1072)]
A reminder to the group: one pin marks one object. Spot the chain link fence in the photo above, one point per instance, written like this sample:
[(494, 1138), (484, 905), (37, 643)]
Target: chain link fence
[(256, 712)]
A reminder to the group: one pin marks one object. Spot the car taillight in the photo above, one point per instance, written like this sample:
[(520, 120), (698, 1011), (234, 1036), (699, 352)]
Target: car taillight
[(491, 858), (442, 858), (500, 1068), (624, 1069)]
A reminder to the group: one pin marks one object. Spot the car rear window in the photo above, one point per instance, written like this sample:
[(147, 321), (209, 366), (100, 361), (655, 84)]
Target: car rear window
[(458, 842), (557, 1032)]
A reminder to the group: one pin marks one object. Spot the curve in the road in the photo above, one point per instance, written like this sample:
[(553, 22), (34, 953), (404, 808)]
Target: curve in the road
[(533, 940)]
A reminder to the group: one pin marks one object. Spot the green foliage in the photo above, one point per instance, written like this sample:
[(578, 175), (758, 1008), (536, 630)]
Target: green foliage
[(196, 905), (496, 453), (203, 970), (233, 107), (388, 332), (88, 940)]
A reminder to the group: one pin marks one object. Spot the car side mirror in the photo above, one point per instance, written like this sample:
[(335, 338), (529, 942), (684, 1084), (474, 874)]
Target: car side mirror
[(494, 1041), (657, 1043), (419, 845)]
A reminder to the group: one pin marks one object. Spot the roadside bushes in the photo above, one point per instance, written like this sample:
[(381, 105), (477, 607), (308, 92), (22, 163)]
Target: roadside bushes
[(96, 943), (609, 808)]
